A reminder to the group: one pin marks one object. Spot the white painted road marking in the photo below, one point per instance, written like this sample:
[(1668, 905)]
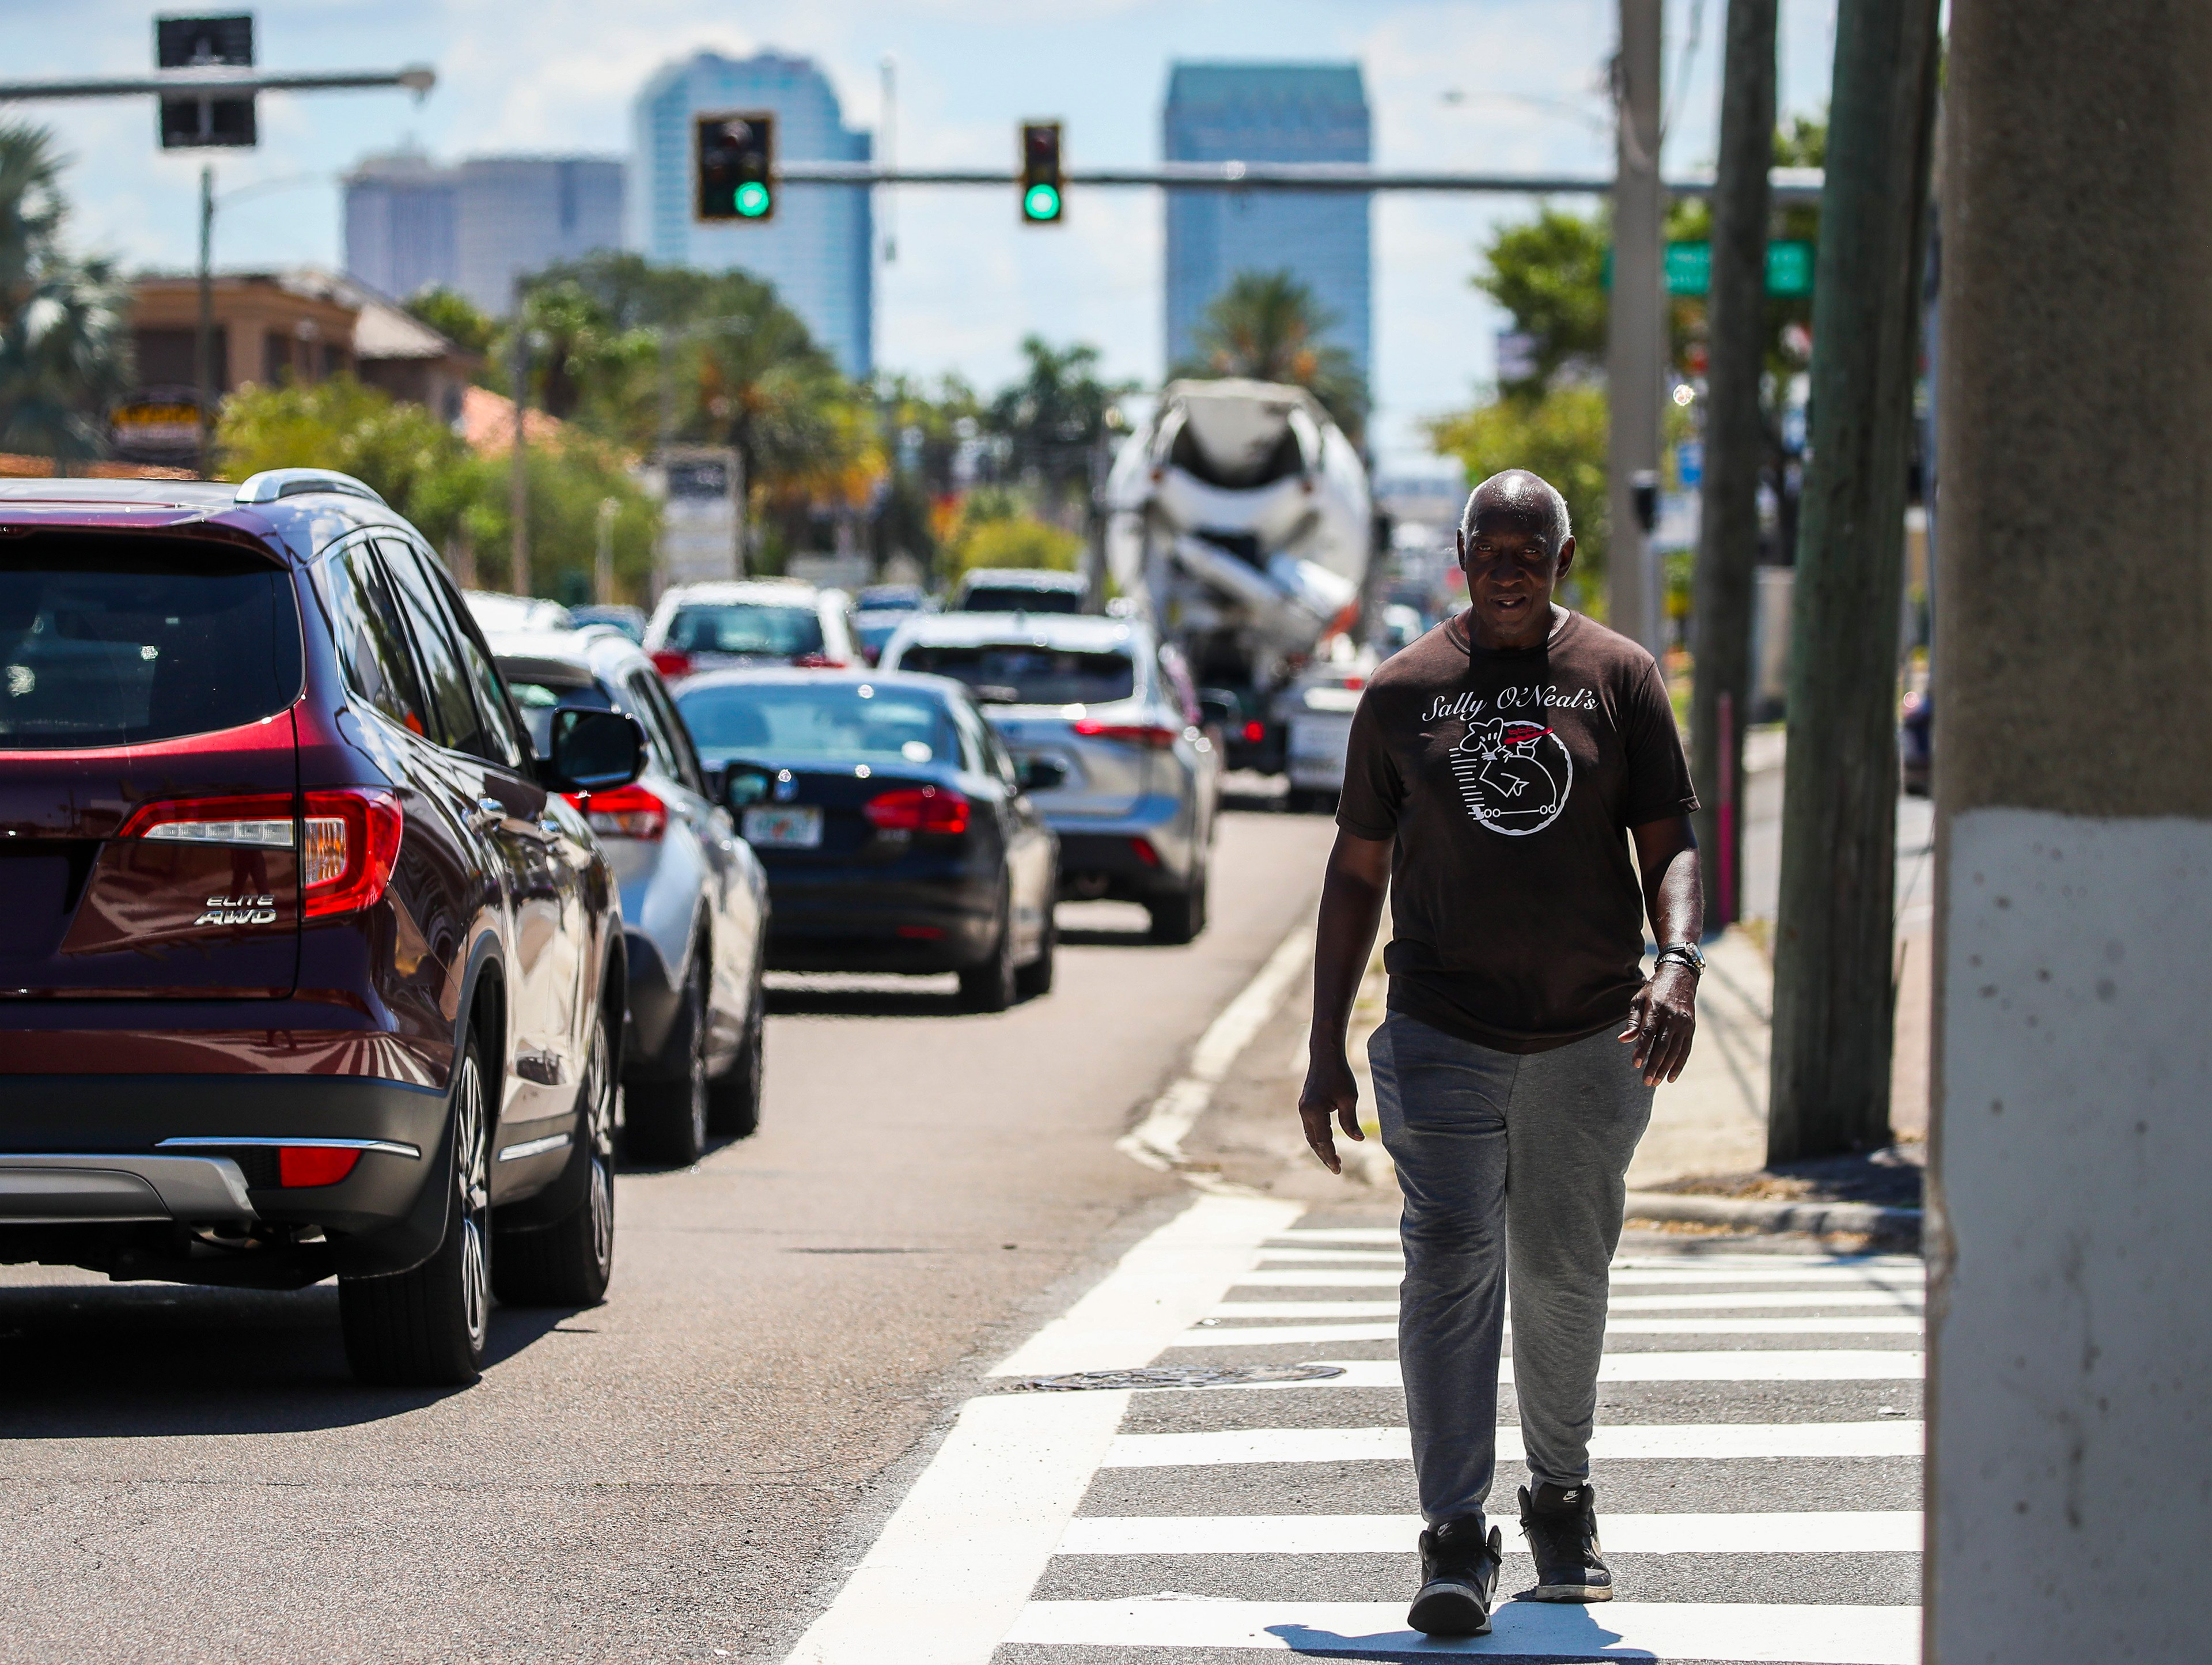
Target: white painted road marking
[(960, 1556), (1279, 1335), (1893, 1531), (1751, 1364), (1644, 1443), (1751, 1632), (1896, 1301), (1331, 1277)]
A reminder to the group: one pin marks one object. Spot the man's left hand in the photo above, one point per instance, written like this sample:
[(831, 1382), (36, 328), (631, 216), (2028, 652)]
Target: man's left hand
[(1662, 1019)]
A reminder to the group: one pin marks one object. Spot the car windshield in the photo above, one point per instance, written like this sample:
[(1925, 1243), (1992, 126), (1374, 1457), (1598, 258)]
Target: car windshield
[(758, 629), (1027, 674), (117, 642), (539, 700), (1018, 598), (856, 721)]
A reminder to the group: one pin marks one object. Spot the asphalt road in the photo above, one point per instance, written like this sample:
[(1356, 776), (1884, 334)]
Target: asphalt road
[(684, 1472)]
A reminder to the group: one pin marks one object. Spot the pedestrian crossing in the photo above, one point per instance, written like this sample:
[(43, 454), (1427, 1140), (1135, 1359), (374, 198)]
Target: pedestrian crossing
[(1756, 1463)]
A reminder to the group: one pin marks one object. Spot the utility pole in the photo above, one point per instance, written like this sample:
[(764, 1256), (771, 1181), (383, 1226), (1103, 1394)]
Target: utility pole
[(204, 335), (1636, 337), (518, 478), (1735, 443), (1834, 1001), (2068, 1345)]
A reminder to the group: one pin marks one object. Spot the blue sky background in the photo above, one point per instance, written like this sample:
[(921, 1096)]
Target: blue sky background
[(557, 75)]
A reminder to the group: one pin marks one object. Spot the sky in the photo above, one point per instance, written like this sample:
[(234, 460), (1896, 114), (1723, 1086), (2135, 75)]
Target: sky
[(1496, 85)]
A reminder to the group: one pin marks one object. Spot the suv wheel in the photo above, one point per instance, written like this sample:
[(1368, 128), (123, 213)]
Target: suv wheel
[(666, 1121), (733, 1100), (1036, 978), (568, 1263), (1180, 918), (990, 987), (426, 1328)]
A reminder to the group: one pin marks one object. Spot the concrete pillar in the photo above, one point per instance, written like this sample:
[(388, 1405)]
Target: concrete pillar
[(2071, 1313), (1637, 336)]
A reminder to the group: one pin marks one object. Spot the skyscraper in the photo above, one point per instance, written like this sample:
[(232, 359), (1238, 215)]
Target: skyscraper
[(1286, 112), (477, 226), (817, 249)]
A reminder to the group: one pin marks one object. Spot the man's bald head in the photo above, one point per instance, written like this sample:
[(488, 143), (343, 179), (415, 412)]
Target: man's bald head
[(1529, 501)]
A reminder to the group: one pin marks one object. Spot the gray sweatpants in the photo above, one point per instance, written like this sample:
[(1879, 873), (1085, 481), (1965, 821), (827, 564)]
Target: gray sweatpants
[(1514, 1170)]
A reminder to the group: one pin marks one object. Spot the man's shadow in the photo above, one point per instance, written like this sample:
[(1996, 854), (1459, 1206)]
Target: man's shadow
[(1519, 1630)]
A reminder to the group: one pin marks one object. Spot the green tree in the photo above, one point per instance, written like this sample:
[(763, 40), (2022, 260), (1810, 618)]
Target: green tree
[(1560, 435), (1056, 415), (398, 448), (454, 316), (995, 529), (1548, 274), (1267, 326), (64, 322)]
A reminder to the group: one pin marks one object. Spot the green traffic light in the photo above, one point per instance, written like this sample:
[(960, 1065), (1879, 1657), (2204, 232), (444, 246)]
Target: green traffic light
[(752, 199), (1041, 202)]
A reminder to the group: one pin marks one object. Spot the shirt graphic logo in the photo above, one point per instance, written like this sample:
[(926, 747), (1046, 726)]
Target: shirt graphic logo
[(1514, 774)]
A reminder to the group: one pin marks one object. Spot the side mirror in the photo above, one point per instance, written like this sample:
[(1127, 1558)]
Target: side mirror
[(593, 752), (1041, 774)]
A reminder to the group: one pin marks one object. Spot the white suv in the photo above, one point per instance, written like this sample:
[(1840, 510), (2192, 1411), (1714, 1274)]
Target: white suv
[(774, 621)]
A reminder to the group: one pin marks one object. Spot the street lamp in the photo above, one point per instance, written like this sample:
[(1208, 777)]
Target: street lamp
[(203, 337)]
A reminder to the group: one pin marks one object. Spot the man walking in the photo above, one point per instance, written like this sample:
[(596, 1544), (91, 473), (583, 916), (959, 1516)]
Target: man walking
[(1499, 768)]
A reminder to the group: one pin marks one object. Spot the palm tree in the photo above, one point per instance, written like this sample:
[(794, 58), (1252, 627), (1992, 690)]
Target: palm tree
[(1267, 326), (64, 323)]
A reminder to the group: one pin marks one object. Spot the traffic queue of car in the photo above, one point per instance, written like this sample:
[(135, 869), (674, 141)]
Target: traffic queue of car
[(351, 923)]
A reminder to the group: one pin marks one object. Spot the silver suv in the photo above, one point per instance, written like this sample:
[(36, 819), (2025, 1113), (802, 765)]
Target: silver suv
[(1107, 732), (694, 898)]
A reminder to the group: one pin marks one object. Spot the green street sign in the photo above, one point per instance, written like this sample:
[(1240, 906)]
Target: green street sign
[(1789, 268)]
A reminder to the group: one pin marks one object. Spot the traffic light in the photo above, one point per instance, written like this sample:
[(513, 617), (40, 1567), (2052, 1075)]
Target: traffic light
[(193, 43), (737, 166), (1041, 201)]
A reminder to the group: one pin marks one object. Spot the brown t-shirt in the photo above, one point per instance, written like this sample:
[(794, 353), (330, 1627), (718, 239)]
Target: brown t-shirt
[(1508, 779)]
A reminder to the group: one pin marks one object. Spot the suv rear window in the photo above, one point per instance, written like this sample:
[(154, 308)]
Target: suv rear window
[(108, 642), (1018, 598), (757, 630), (1028, 675)]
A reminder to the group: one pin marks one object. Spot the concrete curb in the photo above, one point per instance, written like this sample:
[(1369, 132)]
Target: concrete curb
[(1763, 1216)]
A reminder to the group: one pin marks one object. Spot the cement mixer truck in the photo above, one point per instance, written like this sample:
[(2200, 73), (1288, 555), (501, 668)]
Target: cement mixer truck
[(1239, 520)]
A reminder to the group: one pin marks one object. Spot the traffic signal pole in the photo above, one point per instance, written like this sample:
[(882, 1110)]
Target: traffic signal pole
[(2070, 1346)]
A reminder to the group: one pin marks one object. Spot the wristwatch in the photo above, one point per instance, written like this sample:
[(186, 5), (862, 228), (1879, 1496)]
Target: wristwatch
[(1683, 954)]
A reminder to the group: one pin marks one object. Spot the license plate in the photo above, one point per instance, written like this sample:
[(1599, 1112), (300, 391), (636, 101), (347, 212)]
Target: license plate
[(796, 828)]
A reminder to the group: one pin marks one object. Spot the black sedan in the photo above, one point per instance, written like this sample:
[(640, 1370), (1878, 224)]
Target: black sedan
[(896, 833)]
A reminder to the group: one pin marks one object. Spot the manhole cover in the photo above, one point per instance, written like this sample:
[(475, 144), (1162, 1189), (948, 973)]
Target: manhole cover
[(1174, 1376)]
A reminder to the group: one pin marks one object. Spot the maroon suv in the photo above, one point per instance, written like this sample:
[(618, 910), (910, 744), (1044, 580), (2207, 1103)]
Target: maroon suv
[(306, 965)]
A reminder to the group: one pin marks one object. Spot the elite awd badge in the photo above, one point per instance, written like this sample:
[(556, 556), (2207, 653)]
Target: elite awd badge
[(239, 911)]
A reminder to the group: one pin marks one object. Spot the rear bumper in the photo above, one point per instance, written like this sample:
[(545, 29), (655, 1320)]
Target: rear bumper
[(158, 1147), (1095, 853), (841, 920)]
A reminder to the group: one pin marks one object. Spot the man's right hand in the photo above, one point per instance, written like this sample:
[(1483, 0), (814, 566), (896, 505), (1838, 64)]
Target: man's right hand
[(1330, 1090)]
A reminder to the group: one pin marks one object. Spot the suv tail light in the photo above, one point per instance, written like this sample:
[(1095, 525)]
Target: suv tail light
[(628, 811), (918, 809), (352, 840), (1135, 734), (1255, 730), (671, 663), (265, 821)]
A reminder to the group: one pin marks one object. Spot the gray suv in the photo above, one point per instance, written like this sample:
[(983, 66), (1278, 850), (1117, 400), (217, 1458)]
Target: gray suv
[(1107, 730), (694, 898)]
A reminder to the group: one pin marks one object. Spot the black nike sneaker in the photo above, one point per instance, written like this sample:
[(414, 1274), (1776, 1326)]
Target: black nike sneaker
[(1561, 1523), (1459, 1576)]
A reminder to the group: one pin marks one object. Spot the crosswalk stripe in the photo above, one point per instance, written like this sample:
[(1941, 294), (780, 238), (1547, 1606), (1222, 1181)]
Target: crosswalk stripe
[(1896, 1301), (1277, 1335), (1801, 1633), (1750, 1364), (1899, 1437), (1810, 1532), (1338, 1277)]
